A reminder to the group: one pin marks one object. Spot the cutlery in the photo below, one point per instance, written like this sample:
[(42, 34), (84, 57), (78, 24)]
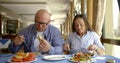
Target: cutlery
[(22, 47), (26, 45)]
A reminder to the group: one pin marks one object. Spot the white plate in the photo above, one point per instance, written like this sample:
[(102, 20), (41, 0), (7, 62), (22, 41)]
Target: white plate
[(54, 57), (9, 60), (88, 61)]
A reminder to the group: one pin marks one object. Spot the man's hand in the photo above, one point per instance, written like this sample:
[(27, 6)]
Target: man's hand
[(44, 45), (18, 40)]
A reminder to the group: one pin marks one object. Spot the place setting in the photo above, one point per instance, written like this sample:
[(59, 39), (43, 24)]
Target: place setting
[(82, 56), (54, 57), (23, 57)]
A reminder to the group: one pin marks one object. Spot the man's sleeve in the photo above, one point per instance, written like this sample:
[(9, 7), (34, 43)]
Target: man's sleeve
[(57, 43)]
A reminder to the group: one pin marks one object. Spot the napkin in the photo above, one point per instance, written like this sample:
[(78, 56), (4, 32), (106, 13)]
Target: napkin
[(4, 43), (100, 58)]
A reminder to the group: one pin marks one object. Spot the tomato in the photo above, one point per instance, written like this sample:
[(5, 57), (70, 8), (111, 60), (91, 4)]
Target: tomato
[(30, 57)]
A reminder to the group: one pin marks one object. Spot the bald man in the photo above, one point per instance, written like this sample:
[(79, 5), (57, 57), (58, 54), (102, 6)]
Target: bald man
[(28, 38)]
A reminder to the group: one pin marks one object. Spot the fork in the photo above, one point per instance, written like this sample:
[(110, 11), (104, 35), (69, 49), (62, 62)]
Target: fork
[(26, 45)]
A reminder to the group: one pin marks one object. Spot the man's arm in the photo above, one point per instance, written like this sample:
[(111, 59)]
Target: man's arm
[(57, 43), (16, 44), (13, 48)]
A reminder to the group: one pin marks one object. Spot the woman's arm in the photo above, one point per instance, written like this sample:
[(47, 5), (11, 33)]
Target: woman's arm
[(100, 51)]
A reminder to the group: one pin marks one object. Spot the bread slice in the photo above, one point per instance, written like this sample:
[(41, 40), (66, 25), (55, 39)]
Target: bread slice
[(40, 37), (21, 55)]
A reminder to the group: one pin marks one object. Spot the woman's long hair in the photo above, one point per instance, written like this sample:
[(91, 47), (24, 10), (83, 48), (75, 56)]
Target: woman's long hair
[(88, 28)]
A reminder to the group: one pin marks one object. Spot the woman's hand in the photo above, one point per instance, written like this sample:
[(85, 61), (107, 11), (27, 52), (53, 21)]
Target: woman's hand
[(99, 51), (92, 47), (18, 40), (66, 47)]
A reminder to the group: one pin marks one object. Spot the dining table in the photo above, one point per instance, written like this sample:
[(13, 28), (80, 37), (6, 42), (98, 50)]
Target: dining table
[(97, 59)]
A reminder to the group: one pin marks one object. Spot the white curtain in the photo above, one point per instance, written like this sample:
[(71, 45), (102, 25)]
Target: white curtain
[(98, 15)]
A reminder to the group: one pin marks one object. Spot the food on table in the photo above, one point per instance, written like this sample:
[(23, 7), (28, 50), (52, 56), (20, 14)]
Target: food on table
[(40, 37), (23, 57), (78, 57)]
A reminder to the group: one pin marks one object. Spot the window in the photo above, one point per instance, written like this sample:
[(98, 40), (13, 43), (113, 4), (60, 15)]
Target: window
[(116, 18), (112, 20)]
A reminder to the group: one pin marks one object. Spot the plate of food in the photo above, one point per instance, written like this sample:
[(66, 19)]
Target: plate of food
[(54, 57), (80, 57), (23, 58), (10, 61)]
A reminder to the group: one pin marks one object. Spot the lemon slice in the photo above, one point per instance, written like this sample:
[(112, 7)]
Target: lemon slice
[(18, 56), (21, 55), (25, 55)]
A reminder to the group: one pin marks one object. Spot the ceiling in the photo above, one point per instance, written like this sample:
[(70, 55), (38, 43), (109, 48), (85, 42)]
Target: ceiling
[(28, 8)]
